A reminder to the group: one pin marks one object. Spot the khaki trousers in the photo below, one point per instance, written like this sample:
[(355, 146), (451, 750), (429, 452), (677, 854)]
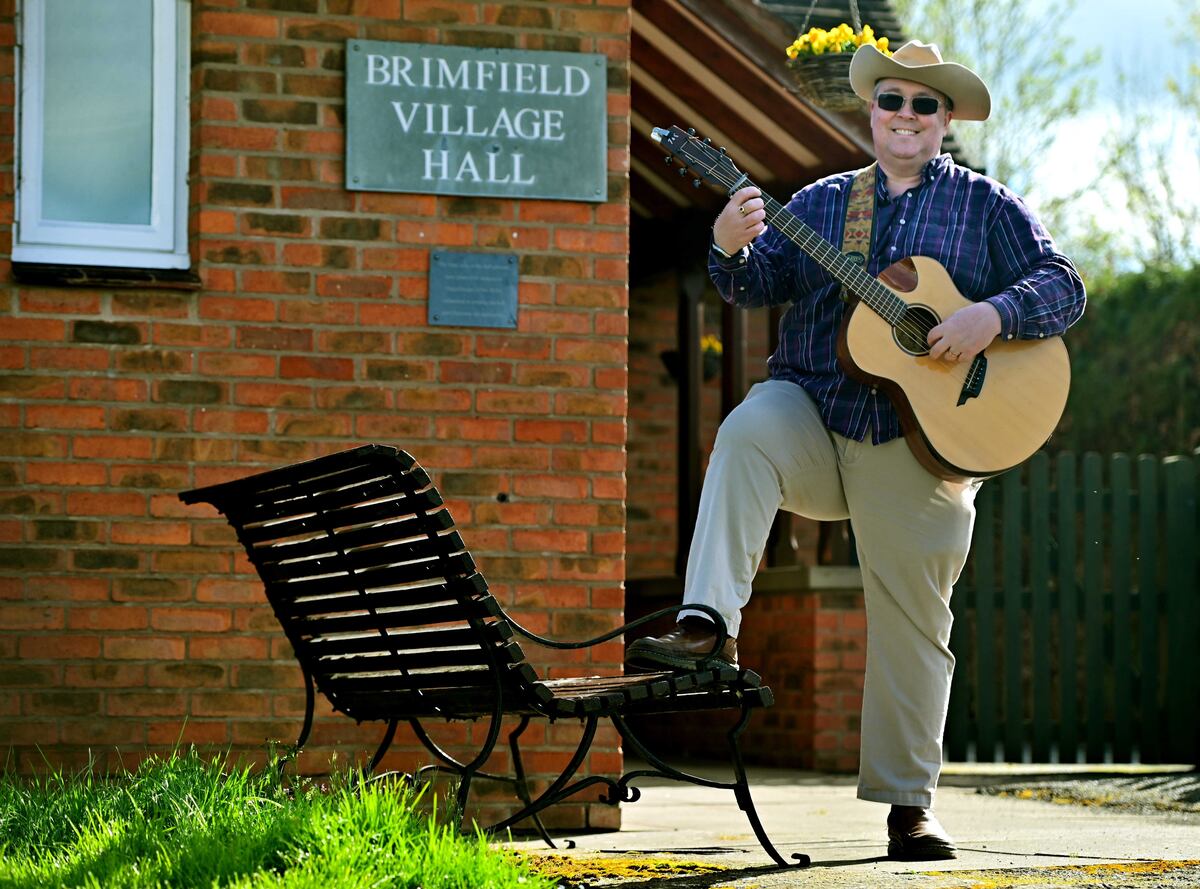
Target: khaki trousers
[(913, 533)]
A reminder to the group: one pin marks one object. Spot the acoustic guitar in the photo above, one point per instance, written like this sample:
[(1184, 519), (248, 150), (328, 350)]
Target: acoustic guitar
[(960, 420)]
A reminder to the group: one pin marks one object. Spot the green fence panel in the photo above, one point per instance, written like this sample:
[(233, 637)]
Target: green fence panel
[(1179, 475), (1077, 620), (983, 556), (1122, 618), (1149, 725), (1040, 541), (1068, 592), (1093, 598), (1014, 661)]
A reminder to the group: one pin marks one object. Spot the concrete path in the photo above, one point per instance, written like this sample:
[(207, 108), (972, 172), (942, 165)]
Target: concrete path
[(682, 837)]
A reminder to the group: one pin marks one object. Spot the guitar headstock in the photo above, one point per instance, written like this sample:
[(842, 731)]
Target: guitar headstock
[(700, 156)]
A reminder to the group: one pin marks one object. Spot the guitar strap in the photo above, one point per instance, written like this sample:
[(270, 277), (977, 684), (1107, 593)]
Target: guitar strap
[(860, 211)]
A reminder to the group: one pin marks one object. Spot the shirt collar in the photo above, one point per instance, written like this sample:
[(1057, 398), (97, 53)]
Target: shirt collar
[(932, 169)]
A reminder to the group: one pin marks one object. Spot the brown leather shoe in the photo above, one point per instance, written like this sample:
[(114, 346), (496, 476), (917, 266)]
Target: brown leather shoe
[(915, 835), (684, 648)]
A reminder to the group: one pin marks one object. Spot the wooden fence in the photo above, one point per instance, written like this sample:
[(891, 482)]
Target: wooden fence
[(1077, 619)]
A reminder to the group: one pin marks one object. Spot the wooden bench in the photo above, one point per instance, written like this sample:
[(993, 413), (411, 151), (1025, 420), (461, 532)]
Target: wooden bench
[(390, 620)]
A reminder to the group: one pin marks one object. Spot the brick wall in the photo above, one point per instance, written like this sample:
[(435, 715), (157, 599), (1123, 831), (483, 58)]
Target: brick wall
[(128, 620)]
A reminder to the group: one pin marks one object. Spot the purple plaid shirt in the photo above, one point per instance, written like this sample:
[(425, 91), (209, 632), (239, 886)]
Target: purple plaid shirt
[(982, 233)]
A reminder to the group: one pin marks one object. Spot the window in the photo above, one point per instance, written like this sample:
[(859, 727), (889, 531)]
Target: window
[(103, 148)]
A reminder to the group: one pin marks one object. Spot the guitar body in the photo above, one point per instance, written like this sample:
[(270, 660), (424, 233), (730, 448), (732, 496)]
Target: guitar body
[(1012, 413)]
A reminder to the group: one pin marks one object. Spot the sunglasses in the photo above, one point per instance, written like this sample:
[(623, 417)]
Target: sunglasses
[(920, 104)]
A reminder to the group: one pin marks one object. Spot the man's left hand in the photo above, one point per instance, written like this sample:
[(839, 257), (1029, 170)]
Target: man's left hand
[(965, 333)]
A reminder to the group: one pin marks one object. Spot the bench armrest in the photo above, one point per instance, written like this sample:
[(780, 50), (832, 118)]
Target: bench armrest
[(722, 631)]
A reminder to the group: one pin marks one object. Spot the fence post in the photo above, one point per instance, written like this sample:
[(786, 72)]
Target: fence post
[(1120, 572), (1068, 598), (1149, 734), (1179, 474)]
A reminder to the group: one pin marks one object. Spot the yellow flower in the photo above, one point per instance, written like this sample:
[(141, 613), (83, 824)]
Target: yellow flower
[(842, 38)]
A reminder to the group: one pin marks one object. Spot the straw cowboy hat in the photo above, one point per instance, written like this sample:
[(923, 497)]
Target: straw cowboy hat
[(922, 63)]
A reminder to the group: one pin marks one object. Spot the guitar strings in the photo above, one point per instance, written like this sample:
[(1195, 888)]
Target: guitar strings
[(878, 297)]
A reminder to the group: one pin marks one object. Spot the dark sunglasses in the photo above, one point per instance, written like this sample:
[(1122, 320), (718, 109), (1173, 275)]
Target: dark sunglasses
[(920, 104)]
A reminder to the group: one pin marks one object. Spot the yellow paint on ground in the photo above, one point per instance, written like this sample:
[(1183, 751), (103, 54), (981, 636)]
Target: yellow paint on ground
[(614, 867), (1083, 875)]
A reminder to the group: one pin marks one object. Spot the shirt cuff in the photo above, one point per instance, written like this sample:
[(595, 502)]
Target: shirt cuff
[(1009, 317), (726, 260)]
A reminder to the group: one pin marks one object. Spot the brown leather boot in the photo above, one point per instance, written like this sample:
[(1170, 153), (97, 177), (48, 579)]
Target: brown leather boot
[(684, 648), (915, 835)]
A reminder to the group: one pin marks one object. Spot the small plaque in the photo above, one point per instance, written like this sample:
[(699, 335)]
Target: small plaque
[(473, 289)]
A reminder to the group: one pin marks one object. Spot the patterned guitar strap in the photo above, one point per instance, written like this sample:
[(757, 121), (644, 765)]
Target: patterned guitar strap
[(856, 238)]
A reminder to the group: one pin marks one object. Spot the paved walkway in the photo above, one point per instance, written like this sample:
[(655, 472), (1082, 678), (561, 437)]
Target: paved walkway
[(1009, 827)]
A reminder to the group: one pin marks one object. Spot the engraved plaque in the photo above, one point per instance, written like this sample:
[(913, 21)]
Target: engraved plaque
[(476, 121), (472, 289)]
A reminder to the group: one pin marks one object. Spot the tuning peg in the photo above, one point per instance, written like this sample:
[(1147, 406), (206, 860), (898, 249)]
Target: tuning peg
[(707, 141), (667, 159), (695, 183), (691, 131), (683, 171), (722, 149)]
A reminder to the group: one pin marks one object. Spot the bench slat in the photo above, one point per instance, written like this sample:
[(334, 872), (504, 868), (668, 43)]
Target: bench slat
[(362, 559), (343, 666), (353, 460), (383, 596), (324, 542), (383, 576), (419, 507), (421, 640), (303, 499), (323, 625)]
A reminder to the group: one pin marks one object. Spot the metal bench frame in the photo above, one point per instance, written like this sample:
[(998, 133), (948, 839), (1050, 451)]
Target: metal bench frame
[(389, 618)]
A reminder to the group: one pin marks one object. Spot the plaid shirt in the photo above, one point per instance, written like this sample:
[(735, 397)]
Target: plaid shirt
[(982, 233)]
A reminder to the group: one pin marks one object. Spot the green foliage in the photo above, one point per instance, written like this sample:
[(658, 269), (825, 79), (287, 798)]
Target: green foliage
[(1021, 52), (182, 822), (1135, 366)]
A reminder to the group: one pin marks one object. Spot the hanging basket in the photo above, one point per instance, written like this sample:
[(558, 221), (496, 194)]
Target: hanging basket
[(824, 80)]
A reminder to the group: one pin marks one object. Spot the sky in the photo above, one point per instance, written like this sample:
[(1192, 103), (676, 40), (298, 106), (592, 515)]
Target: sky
[(1139, 38)]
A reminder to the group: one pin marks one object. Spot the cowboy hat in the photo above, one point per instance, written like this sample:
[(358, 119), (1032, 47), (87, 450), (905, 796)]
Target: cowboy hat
[(921, 63)]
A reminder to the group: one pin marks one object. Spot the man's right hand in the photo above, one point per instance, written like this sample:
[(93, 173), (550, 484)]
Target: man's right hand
[(741, 221)]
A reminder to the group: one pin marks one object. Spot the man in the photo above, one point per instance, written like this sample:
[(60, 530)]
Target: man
[(816, 442)]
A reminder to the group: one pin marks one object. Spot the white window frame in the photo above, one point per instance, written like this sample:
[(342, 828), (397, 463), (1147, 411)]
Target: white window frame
[(163, 242)]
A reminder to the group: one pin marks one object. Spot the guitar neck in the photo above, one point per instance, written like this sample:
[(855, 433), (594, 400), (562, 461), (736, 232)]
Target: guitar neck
[(843, 269)]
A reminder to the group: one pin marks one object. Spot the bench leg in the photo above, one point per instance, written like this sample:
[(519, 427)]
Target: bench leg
[(558, 789), (383, 746), (740, 786), (309, 706), (741, 792), (522, 785)]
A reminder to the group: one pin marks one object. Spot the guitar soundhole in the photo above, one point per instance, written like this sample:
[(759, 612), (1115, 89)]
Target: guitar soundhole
[(911, 332)]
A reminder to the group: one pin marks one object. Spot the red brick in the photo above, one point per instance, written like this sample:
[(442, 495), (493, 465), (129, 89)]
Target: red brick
[(297, 367), (237, 24), (111, 617), (144, 648)]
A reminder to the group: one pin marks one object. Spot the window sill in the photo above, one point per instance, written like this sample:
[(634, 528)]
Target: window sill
[(55, 275)]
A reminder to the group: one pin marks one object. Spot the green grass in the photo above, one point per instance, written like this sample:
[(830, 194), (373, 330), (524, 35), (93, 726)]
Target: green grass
[(185, 822)]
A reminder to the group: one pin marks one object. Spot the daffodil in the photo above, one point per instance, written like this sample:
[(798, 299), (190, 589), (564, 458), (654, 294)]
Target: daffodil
[(842, 39)]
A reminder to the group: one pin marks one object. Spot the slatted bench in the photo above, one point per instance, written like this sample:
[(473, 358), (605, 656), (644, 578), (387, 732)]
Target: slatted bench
[(390, 620)]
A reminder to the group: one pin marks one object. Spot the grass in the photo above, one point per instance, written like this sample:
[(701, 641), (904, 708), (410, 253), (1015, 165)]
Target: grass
[(185, 822)]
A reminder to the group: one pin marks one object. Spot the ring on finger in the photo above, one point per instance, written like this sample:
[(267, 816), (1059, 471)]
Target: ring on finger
[(742, 209)]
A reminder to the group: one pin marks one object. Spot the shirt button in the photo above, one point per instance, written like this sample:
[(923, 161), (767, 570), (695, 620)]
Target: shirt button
[(1009, 337), (741, 288), (1041, 335), (902, 221)]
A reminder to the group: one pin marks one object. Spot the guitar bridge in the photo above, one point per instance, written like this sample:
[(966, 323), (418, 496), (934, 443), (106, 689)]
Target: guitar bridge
[(973, 384)]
